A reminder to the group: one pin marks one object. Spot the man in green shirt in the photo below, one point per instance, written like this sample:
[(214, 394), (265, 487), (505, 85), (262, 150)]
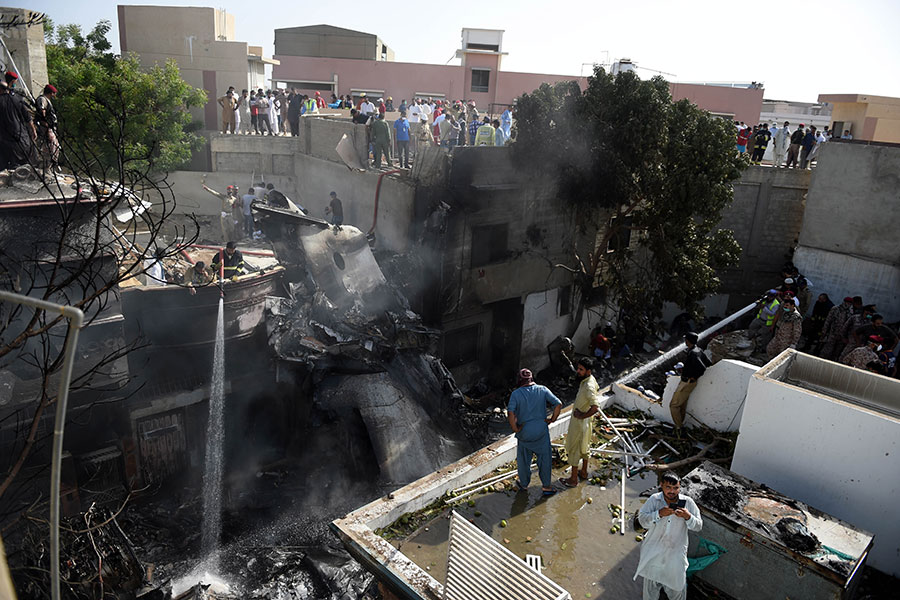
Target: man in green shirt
[(381, 137)]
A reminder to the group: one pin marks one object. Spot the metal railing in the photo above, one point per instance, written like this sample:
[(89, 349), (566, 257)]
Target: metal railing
[(76, 320)]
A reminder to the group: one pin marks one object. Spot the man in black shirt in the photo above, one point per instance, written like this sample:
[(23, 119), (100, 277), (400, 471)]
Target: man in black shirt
[(336, 209), (17, 131), (234, 262), (694, 367)]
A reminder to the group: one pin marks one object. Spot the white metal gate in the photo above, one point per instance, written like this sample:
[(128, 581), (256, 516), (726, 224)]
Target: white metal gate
[(479, 568)]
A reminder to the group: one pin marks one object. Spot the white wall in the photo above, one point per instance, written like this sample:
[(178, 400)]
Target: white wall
[(717, 401), (541, 324), (840, 275), (830, 454)]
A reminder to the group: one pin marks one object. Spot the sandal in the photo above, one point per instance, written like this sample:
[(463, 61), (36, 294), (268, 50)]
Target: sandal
[(567, 483), (549, 492)]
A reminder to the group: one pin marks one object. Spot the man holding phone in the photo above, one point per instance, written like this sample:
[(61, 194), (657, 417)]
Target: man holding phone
[(668, 516)]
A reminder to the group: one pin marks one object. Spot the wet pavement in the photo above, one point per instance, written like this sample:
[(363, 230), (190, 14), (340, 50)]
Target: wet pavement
[(571, 535)]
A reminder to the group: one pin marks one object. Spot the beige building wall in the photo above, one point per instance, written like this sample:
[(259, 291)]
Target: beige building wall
[(874, 118), (328, 41), (26, 44), (201, 41)]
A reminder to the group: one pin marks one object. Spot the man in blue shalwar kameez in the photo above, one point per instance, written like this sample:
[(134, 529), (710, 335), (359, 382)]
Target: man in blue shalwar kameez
[(528, 418)]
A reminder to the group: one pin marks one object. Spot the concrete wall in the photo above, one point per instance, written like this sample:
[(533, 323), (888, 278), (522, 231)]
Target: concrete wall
[(766, 218), (745, 104), (832, 455), (308, 178), (324, 41), (848, 242), (874, 118), (200, 40), (26, 44), (717, 401)]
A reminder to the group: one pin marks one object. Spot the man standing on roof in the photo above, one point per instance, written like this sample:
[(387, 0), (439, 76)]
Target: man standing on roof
[(234, 262), (695, 365), (17, 131), (336, 209), (668, 515), (578, 438), (229, 105), (247, 201), (226, 217), (381, 138), (527, 415)]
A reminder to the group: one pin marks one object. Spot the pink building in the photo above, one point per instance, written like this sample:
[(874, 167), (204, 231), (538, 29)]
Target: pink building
[(478, 77)]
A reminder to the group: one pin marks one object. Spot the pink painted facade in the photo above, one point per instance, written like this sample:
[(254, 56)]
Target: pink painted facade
[(406, 80)]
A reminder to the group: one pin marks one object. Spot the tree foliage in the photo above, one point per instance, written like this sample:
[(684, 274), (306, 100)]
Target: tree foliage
[(634, 165), (106, 103)]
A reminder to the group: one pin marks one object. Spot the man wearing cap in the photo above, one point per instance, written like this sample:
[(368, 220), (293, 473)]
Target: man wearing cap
[(366, 107), (875, 326), (862, 356), (336, 209), (578, 437), (527, 415), (788, 328), (762, 325), (831, 329), (794, 149), (695, 365), (17, 131)]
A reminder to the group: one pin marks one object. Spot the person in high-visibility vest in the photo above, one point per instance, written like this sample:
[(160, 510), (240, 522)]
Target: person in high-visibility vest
[(763, 325), (309, 106), (485, 134)]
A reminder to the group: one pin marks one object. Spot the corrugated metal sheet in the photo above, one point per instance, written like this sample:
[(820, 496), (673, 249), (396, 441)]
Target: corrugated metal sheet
[(478, 568)]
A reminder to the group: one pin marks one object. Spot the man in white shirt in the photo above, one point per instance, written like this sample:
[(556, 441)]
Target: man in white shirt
[(668, 516), (367, 108), (782, 139), (415, 112)]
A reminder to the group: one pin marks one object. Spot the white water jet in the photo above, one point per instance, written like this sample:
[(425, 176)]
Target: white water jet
[(215, 437), (629, 377)]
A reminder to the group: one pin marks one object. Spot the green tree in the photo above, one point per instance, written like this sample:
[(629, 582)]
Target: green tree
[(114, 116), (648, 180)]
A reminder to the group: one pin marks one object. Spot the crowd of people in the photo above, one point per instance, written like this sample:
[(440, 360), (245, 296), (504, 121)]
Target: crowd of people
[(28, 126), (802, 144), (421, 121), (851, 332)]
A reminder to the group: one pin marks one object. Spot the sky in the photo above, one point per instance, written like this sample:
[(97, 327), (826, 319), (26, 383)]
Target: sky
[(798, 49)]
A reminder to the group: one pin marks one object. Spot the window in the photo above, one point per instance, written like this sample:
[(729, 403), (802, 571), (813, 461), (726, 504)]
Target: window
[(488, 47), (461, 345), (564, 300), (622, 238), (481, 79), (489, 244)]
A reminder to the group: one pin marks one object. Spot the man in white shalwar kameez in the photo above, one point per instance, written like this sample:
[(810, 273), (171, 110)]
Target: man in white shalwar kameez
[(782, 140), (667, 515)]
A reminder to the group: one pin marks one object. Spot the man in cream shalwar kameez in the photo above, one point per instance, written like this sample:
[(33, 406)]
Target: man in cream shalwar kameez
[(578, 439)]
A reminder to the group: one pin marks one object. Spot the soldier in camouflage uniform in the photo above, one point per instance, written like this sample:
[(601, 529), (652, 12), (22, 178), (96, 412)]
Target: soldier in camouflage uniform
[(848, 332), (831, 330), (787, 329)]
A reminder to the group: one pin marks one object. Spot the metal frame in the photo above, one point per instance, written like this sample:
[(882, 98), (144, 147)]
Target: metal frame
[(76, 320)]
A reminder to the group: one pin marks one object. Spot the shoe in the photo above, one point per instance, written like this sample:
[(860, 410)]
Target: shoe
[(549, 492)]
